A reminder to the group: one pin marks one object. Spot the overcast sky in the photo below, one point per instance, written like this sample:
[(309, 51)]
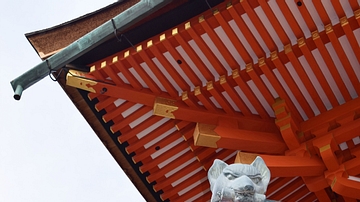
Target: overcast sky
[(47, 150)]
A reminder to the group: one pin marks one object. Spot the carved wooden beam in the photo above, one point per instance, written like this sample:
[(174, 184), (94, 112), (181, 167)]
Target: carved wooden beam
[(286, 166), (166, 106), (220, 136)]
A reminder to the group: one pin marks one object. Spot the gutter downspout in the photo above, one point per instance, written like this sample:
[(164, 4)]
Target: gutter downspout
[(86, 43)]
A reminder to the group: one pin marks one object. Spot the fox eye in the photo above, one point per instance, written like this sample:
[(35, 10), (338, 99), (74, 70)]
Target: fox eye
[(256, 180), (229, 176)]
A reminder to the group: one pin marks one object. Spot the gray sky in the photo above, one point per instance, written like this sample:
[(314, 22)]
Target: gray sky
[(47, 150)]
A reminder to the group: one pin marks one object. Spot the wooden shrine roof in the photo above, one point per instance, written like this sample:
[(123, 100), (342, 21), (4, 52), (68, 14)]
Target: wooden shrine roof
[(275, 79)]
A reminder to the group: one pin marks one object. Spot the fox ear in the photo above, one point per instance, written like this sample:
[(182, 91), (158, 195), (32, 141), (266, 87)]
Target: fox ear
[(264, 170), (215, 171)]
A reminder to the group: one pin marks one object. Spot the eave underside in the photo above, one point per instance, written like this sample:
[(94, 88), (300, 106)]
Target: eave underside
[(296, 81)]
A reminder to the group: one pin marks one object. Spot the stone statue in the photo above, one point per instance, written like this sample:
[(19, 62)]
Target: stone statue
[(238, 182)]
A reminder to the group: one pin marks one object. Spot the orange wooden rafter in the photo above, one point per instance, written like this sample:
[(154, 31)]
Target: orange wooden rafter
[(225, 84), (249, 94), (172, 183), (217, 136), (304, 77), (187, 134), (354, 4), (291, 83), (357, 16), (232, 36), (245, 30), (287, 125), (203, 97), (176, 55), (152, 165), (167, 182), (306, 16), (182, 124), (286, 166), (321, 195), (206, 194), (189, 99), (190, 194), (328, 116), (220, 69), (276, 185), (192, 54), (259, 83), (174, 191), (205, 154), (130, 136), (317, 72), (204, 185), (344, 59), (219, 44), (278, 87), (142, 73), (132, 117), (258, 24), (280, 195), (215, 92), (147, 98), (330, 65), (315, 183), (350, 36), (341, 184), (164, 81), (112, 114), (111, 73), (106, 102), (290, 19), (297, 194), (166, 64), (139, 145), (338, 8), (321, 12), (157, 172), (274, 22), (118, 64)]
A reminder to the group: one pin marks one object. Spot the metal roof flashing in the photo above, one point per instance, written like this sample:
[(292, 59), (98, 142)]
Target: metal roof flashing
[(86, 43)]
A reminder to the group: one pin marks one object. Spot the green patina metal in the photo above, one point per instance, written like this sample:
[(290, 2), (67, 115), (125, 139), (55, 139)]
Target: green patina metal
[(86, 43)]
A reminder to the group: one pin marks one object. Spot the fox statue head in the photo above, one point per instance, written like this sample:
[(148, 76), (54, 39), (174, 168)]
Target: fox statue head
[(238, 182)]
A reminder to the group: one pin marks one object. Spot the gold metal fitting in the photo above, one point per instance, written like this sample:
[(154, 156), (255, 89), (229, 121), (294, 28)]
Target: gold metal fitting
[(162, 37), (187, 25), (249, 67), (328, 28), (315, 35), (103, 64), (301, 42), (174, 31), (222, 79), (115, 59), (261, 61), (197, 91), (201, 18), (165, 107), (344, 21), (209, 85), (92, 68), (126, 54), (184, 95), (138, 48), (235, 73), (149, 43), (274, 55), (287, 48)]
